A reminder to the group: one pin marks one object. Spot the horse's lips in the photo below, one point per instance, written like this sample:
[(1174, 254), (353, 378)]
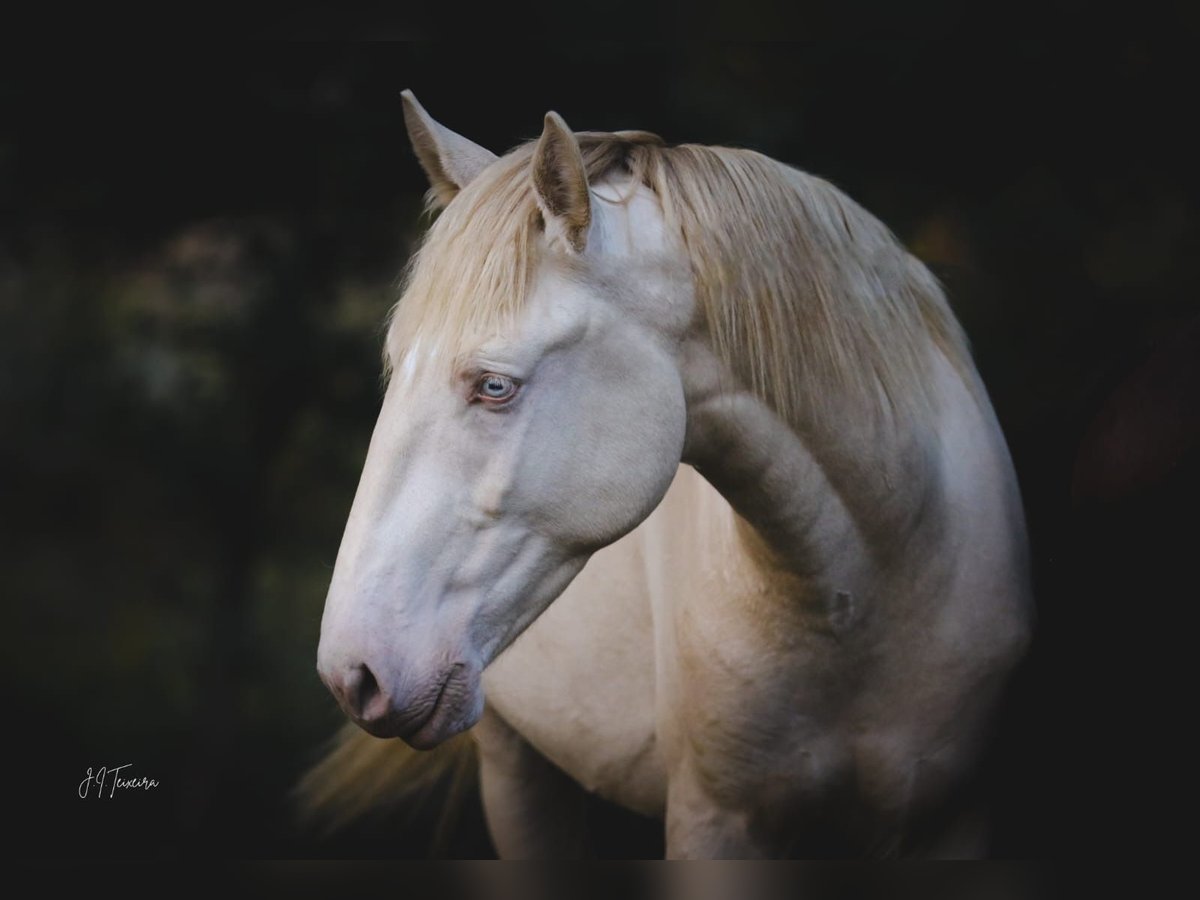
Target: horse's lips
[(414, 735)]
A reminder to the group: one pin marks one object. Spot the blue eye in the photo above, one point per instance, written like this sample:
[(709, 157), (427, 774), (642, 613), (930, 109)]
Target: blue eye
[(495, 388)]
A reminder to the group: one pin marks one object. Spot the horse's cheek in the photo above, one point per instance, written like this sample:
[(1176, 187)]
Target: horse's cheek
[(596, 469)]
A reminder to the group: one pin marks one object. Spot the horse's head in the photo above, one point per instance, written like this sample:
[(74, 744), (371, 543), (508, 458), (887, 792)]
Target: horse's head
[(501, 461)]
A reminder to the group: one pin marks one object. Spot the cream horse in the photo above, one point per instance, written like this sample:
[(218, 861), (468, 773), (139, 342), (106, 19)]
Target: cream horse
[(730, 392)]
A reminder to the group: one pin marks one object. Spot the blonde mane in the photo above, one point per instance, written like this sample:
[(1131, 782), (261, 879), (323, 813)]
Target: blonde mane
[(807, 297)]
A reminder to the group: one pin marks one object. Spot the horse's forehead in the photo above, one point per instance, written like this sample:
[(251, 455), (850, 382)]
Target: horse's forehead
[(628, 242)]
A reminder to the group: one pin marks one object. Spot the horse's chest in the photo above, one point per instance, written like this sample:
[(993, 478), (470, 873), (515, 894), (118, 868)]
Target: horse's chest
[(579, 684)]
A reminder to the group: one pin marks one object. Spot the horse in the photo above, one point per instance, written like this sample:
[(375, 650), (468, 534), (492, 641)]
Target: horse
[(684, 492)]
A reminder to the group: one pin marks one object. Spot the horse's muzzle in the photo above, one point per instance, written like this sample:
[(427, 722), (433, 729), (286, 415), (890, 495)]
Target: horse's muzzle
[(422, 717)]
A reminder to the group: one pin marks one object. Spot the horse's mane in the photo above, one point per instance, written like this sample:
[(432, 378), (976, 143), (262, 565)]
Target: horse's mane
[(808, 297)]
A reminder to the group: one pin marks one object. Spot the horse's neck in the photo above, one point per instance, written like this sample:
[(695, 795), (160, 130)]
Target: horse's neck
[(833, 490), (822, 503)]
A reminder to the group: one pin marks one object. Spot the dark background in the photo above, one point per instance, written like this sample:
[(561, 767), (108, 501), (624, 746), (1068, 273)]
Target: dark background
[(197, 250)]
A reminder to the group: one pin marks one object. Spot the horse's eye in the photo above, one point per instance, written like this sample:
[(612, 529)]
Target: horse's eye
[(494, 388)]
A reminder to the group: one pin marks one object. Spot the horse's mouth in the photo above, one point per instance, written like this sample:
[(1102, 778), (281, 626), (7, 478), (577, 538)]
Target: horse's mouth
[(422, 731)]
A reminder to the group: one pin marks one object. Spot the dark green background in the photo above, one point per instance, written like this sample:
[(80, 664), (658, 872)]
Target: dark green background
[(197, 249)]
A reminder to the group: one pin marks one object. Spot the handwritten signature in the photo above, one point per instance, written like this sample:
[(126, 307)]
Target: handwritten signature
[(110, 777)]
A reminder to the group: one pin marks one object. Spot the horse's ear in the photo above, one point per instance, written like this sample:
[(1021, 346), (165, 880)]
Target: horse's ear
[(450, 160), (561, 182)]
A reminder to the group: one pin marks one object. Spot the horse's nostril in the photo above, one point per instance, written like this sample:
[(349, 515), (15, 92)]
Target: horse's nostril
[(359, 692), (368, 698)]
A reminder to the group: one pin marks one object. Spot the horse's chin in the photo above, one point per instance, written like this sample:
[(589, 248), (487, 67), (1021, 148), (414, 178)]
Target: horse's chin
[(429, 738), (458, 708)]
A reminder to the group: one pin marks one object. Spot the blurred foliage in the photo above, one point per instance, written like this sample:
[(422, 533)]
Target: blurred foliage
[(197, 252)]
